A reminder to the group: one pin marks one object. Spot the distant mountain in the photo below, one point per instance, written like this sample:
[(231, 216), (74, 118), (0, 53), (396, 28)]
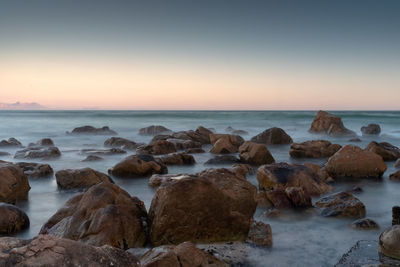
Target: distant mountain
[(18, 105)]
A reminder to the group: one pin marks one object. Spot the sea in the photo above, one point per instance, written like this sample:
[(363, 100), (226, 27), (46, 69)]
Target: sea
[(299, 238)]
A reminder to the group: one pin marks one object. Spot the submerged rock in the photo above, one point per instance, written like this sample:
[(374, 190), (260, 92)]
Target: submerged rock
[(234, 131), (153, 130), (224, 159), (10, 142), (327, 123), (178, 159), (260, 234), (35, 170), (371, 129), (364, 224), (342, 204), (80, 178), (2, 154), (138, 166), (43, 142), (194, 150), (254, 153), (92, 158), (12, 219), (38, 152), (103, 152), (363, 253), (120, 142), (313, 149), (387, 151), (201, 135), (272, 136), (14, 185), (105, 130)]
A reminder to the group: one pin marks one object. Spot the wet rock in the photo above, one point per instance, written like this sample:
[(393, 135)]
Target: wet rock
[(38, 152), (320, 172), (181, 144), (178, 159), (214, 206), (201, 135), (352, 161), (2, 154), (45, 250), (272, 136), (283, 175), (80, 178), (313, 149), (11, 142), (138, 166), (194, 150), (120, 142), (225, 143), (363, 253), (241, 170), (157, 148), (91, 158), (279, 199), (364, 224), (43, 142), (35, 170), (182, 255), (153, 130), (104, 215), (371, 129), (260, 234), (14, 185), (105, 130), (103, 152), (387, 151), (12, 219), (298, 197), (254, 153), (342, 204), (327, 123), (389, 243), (157, 180), (224, 159), (395, 176), (356, 190)]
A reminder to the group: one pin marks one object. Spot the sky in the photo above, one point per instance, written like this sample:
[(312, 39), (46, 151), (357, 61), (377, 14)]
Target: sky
[(208, 54)]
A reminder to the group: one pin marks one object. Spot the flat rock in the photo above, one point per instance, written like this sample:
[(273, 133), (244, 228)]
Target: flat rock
[(342, 204), (387, 151), (35, 170), (12, 219), (157, 180), (103, 152), (90, 130), (362, 254), (80, 178), (223, 159), (2, 154), (313, 149), (272, 136), (120, 142), (38, 152), (92, 158)]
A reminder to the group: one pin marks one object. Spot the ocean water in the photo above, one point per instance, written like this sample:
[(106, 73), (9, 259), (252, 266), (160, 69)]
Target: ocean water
[(300, 239)]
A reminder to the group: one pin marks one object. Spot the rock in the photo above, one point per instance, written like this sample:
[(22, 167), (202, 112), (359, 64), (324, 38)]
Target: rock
[(224, 159), (262, 199), (364, 224), (395, 176), (342, 204), (12, 219), (92, 158), (104, 215), (389, 242), (260, 234), (397, 164), (371, 129), (178, 159), (225, 143), (105, 130), (2, 154), (200, 135), (321, 172), (241, 170), (157, 148), (194, 150), (35, 170), (153, 130), (363, 253), (45, 250), (387, 151), (103, 152), (80, 178), (352, 161), (279, 199), (272, 213), (138, 166), (254, 153), (283, 175), (157, 180), (233, 131), (313, 149), (14, 185), (298, 197), (355, 139), (120, 142), (329, 124), (10, 142), (272, 136), (182, 255), (38, 152), (214, 206), (181, 144), (43, 142)]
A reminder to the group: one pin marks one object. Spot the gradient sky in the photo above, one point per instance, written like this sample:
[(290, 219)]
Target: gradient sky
[(206, 54)]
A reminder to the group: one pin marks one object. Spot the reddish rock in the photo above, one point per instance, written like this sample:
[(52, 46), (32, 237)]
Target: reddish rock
[(254, 153), (313, 149), (80, 178), (14, 185), (298, 197), (272, 136), (138, 166), (12, 219), (387, 151), (330, 124), (279, 199), (342, 204)]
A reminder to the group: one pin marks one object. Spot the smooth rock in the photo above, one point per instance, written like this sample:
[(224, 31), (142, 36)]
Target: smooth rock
[(105, 130), (138, 166), (120, 142), (12, 219), (14, 185), (38, 152), (157, 180), (313, 149), (35, 170), (342, 204), (364, 224), (91, 158), (80, 178), (387, 151), (371, 129), (389, 242), (327, 123), (254, 153), (272, 136)]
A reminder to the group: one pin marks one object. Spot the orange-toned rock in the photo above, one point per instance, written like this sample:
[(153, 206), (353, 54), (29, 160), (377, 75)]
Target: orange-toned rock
[(225, 143), (138, 166), (254, 153), (342, 204), (14, 185), (313, 149), (178, 159), (330, 124), (157, 148)]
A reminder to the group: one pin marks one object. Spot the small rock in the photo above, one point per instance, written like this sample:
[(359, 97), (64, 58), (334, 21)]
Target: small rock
[(80, 178), (330, 124), (356, 140), (395, 176), (10, 142), (36, 170), (342, 204), (105, 130), (153, 130), (138, 166), (92, 158), (364, 224), (254, 153), (120, 142), (387, 151), (224, 159), (38, 152), (103, 152), (260, 234), (194, 150)]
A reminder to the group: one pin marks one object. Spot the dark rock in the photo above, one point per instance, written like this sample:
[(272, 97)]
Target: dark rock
[(225, 143), (355, 139), (395, 176), (371, 129), (181, 144), (279, 199), (153, 130), (80, 178), (35, 170), (43, 142), (12, 219), (92, 158), (254, 153), (387, 151), (329, 124), (342, 204), (120, 142), (260, 234), (298, 197), (201, 135), (10, 142), (397, 164), (2, 153), (194, 150), (105, 130), (138, 166), (157, 148), (364, 224), (224, 159), (178, 159), (157, 180), (313, 149), (272, 136), (14, 185), (38, 152)]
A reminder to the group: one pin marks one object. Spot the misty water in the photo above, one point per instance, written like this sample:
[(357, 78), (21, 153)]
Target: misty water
[(300, 238)]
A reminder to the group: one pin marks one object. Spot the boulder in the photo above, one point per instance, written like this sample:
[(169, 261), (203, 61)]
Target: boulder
[(371, 129), (389, 242), (105, 130), (14, 185), (241, 170), (387, 151), (120, 142), (104, 215), (91, 158), (283, 175), (45, 250), (181, 144), (38, 152), (153, 130), (298, 197), (313, 149), (342, 204), (138, 166), (225, 143), (43, 142), (35, 170), (272, 136), (352, 161), (224, 159), (201, 135), (10, 142), (194, 150), (260, 234), (278, 198), (157, 148), (364, 224), (178, 159), (254, 153), (214, 205), (320, 171), (80, 178), (103, 152), (157, 180), (182, 255), (329, 124), (12, 219), (395, 176)]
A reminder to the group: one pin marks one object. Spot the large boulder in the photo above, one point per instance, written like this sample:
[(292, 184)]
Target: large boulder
[(313, 149), (352, 161), (342, 204), (182, 255), (120, 142), (225, 143), (389, 242), (272, 136), (214, 205), (178, 159), (159, 147), (254, 153), (138, 166), (104, 215), (35, 170), (329, 124), (14, 185), (12, 219), (105, 130), (45, 250), (371, 129), (387, 151), (283, 175), (260, 234), (80, 178), (10, 143), (38, 152), (153, 130)]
